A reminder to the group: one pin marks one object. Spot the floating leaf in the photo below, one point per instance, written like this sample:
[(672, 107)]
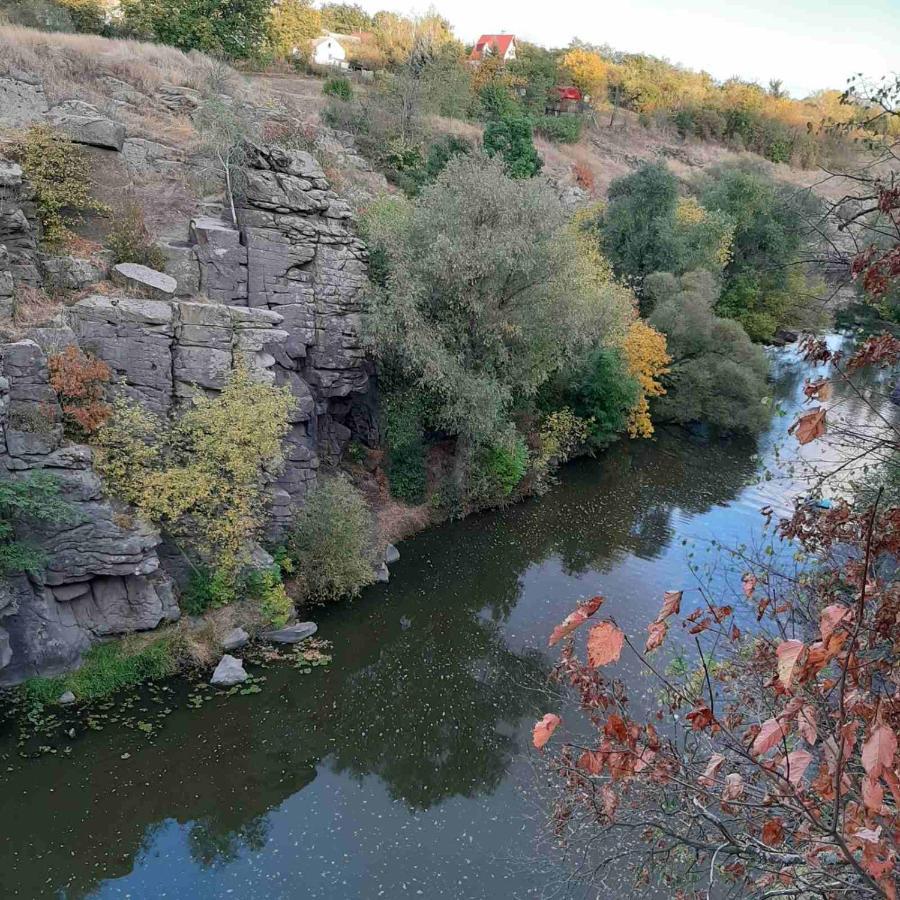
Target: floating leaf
[(605, 643), (544, 729)]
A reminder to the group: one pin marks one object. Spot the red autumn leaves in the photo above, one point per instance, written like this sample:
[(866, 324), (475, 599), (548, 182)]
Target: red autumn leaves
[(604, 646)]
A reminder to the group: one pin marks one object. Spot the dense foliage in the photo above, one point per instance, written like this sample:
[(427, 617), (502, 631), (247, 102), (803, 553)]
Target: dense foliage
[(79, 381), (717, 376), (487, 296), (201, 476), (329, 546)]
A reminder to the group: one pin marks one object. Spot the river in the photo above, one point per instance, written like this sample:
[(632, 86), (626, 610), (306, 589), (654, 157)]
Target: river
[(405, 768)]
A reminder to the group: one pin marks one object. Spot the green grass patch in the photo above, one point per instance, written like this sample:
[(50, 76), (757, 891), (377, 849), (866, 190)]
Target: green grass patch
[(107, 669)]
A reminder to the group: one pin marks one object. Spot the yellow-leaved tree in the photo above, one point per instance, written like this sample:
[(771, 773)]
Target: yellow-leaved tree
[(292, 25), (201, 477), (644, 349), (589, 73)]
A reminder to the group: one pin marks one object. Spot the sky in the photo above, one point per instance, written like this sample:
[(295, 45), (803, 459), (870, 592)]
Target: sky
[(808, 44)]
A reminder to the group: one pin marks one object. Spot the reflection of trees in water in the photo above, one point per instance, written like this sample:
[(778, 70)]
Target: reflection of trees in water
[(435, 715), (212, 845)]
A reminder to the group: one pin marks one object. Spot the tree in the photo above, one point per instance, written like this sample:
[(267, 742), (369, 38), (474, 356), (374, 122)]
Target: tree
[(292, 25), (765, 282), (345, 18), (237, 29), (717, 376), (511, 139), (589, 73), (486, 296), (647, 358)]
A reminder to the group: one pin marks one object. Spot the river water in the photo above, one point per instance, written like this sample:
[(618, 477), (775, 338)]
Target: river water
[(405, 768)]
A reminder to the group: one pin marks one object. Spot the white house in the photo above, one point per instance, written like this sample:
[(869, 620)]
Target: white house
[(327, 51)]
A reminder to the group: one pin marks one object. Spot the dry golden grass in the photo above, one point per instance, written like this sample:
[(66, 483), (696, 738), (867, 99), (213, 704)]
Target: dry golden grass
[(74, 62), (31, 308)]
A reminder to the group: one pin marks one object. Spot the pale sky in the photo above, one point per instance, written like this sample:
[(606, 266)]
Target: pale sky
[(809, 44)]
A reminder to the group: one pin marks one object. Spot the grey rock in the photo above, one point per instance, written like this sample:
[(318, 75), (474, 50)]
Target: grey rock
[(66, 699), (391, 554), (182, 264), (5, 649), (229, 672), (22, 99), (235, 640), (144, 157), (291, 634), (144, 280), (382, 575), (72, 273), (178, 98), (85, 124)]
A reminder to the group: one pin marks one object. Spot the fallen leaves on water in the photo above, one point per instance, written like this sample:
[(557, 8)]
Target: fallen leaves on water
[(605, 642), (544, 729)]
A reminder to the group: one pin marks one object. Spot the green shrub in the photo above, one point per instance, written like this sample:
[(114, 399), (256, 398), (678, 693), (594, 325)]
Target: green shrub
[(266, 588), (330, 543), (497, 471), (603, 392), (511, 139), (403, 433), (108, 668), (59, 172), (207, 589), (560, 129), (130, 242), (32, 499), (339, 87)]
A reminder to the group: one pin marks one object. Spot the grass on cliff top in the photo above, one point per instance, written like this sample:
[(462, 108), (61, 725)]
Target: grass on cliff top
[(107, 669), (70, 63)]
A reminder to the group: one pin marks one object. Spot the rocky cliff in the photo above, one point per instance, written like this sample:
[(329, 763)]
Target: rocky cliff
[(280, 291)]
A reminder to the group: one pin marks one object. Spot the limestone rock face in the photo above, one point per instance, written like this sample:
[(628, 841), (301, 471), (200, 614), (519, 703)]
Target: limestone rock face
[(22, 99), (85, 124), (102, 574), (280, 292)]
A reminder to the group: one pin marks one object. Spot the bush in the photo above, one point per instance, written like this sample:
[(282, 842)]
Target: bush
[(496, 472), (718, 377), (201, 477), (266, 588), (238, 29), (510, 138), (32, 499), (130, 241), (560, 129), (603, 392), (339, 87), (79, 380), (330, 543), (206, 589), (107, 669), (403, 433), (59, 172)]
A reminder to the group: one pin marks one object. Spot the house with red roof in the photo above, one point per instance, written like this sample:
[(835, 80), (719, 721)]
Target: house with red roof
[(487, 46)]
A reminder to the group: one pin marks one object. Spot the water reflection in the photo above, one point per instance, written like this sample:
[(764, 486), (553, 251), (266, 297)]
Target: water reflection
[(423, 714)]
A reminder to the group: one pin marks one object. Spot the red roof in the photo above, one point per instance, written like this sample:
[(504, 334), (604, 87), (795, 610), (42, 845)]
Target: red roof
[(498, 44), (568, 93)]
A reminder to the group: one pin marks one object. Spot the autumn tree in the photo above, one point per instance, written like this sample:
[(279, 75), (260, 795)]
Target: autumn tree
[(292, 25), (648, 361), (589, 72)]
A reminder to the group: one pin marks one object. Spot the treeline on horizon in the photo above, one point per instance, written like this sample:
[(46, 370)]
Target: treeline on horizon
[(743, 114)]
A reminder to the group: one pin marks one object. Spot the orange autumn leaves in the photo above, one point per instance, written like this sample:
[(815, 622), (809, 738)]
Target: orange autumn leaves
[(604, 645)]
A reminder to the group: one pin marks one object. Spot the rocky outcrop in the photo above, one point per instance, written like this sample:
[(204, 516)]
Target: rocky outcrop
[(22, 99), (280, 292), (102, 573), (19, 229), (85, 124)]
